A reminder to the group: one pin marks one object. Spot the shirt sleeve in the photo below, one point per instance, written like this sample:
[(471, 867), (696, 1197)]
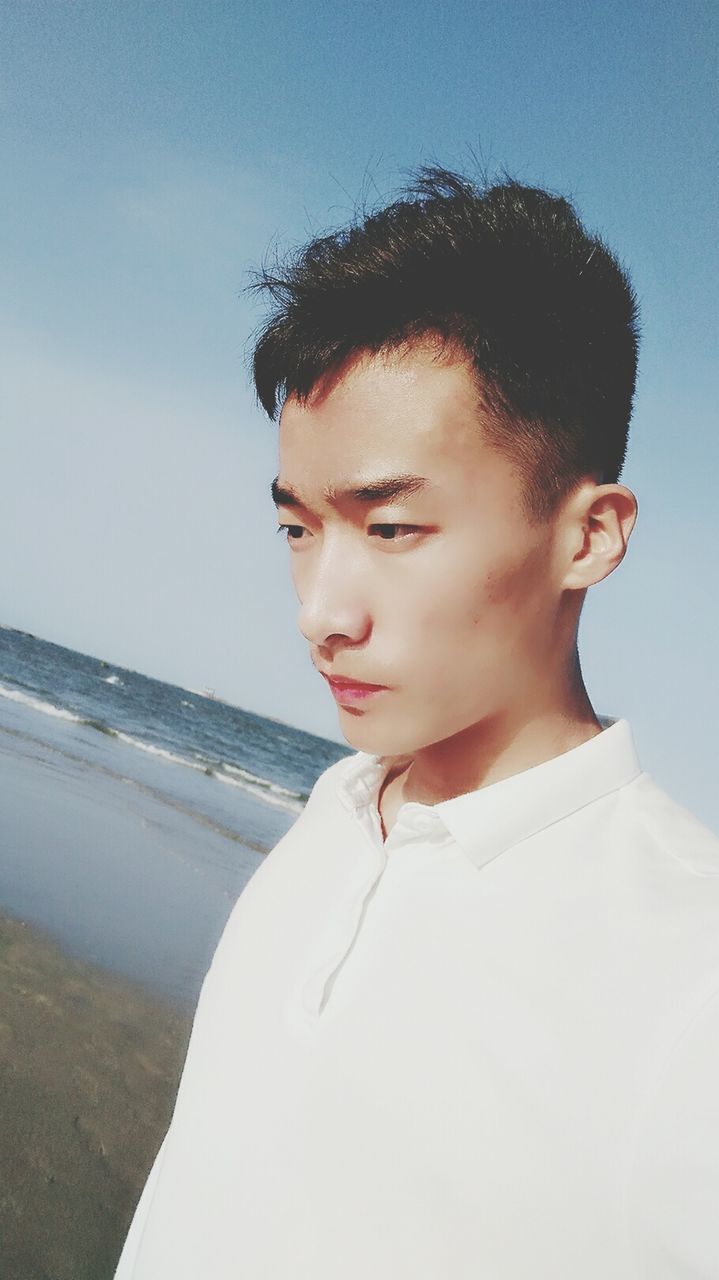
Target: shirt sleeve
[(673, 1194), (128, 1257)]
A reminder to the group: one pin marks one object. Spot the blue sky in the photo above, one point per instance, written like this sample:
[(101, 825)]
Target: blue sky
[(152, 152)]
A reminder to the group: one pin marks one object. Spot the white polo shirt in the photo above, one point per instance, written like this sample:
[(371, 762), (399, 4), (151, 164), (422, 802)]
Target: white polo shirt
[(486, 1049)]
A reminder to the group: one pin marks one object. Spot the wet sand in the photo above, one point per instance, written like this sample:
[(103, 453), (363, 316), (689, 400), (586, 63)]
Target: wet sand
[(89, 1068), (117, 873), (109, 851)]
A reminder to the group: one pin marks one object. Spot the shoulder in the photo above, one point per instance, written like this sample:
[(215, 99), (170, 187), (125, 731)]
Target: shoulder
[(660, 869), (673, 1187), (673, 1170), (301, 858), (673, 830)]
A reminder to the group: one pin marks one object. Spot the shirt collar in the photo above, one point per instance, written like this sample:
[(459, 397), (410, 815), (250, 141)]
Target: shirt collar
[(486, 822)]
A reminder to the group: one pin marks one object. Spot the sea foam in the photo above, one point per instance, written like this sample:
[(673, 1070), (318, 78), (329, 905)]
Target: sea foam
[(271, 792), (47, 708)]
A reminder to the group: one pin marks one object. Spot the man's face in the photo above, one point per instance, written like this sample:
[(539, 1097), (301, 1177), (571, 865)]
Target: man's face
[(446, 595)]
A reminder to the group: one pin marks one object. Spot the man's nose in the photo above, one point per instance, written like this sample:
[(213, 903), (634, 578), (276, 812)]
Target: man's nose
[(332, 602)]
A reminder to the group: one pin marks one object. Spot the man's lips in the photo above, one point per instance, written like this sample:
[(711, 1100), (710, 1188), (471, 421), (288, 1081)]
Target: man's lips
[(350, 693), (347, 682)]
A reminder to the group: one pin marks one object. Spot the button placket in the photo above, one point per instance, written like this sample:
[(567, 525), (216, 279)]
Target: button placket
[(343, 930)]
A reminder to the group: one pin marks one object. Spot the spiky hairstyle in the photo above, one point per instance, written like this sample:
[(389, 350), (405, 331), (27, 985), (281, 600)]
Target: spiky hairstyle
[(506, 273)]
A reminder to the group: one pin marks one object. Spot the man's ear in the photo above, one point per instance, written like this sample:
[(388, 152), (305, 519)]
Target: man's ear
[(600, 519)]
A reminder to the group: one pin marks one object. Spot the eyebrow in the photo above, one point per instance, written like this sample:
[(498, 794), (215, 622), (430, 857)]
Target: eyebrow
[(383, 489)]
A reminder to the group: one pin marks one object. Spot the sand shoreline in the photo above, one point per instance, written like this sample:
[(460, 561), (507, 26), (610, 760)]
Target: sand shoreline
[(89, 1068), (122, 877), (107, 857)]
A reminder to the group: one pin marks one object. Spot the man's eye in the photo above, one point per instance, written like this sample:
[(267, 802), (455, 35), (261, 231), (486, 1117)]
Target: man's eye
[(293, 532), (394, 532)]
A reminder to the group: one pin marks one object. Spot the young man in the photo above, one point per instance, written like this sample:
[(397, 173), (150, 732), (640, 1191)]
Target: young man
[(463, 1022)]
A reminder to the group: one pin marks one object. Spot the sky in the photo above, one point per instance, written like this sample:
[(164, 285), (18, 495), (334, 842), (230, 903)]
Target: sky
[(153, 154)]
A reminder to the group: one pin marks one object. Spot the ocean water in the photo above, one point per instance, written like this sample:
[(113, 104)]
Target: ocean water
[(133, 812), (263, 757)]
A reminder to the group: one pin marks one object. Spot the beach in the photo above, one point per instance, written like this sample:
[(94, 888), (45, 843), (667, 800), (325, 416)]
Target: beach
[(132, 815), (106, 929), (114, 888), (89, 1067)]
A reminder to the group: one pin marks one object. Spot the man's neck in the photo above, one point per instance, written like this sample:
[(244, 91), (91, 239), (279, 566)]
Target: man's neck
[(490, 752), (492, 749)]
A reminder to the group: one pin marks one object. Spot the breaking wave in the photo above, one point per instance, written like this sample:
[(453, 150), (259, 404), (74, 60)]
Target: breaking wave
[(271, 792)]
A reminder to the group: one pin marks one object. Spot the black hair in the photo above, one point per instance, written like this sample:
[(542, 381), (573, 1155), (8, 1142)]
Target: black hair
[(542, 309)]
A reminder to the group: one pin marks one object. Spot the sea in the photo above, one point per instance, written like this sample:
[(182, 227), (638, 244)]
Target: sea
[(134, 811)]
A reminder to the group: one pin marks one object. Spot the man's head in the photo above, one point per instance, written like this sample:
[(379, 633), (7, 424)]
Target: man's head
[(479, 340)]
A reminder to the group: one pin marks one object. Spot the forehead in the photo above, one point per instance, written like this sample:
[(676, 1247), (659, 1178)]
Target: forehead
[(416, 411)]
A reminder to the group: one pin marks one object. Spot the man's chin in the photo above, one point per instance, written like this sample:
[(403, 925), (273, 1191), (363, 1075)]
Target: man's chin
[(374, 738)]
